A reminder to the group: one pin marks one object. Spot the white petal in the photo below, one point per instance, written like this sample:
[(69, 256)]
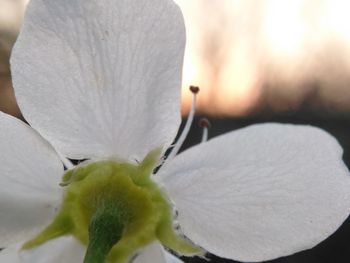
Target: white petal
[(155, 253), (61, 250), (170, 258), (260, 192), (101, 77), (30, 172)]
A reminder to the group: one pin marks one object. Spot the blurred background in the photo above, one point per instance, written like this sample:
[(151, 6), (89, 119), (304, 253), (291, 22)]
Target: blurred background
[(11, 14), (255, 61)]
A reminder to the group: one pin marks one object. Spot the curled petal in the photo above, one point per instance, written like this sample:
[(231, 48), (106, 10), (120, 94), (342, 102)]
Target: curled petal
[(101, 78), (30, 173), (260, 192), (155, 253), (64, 249)]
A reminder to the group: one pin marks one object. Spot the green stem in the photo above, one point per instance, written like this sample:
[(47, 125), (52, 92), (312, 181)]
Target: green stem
[(105, 230), (97, 252)]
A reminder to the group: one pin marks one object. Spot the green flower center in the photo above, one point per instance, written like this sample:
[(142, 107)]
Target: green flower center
[(115, 209)]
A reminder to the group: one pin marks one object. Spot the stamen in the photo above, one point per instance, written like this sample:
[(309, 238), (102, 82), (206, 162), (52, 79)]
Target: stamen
[(188, 124), (205, 124), (66, 162), (194, 89)]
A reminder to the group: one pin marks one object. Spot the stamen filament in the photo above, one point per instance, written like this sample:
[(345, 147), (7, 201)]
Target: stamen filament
[(188, 124), (205, 124), (66, 162), (205, 135)]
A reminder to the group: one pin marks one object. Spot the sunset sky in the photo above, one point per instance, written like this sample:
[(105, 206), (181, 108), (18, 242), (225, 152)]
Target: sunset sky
[(246, 55)]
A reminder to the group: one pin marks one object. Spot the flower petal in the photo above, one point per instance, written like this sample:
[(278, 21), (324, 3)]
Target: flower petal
[(101, 77), (61, 250), (30, 173), (155, 253), (260, 192)]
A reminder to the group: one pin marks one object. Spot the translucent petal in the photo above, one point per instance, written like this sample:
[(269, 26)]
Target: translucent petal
[(260, 192), (61, 250), (170, 258), (101, 77), (155, 253), (30, 173)]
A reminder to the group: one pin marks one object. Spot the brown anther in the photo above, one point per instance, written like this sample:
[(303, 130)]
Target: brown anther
[(194, 89), (204, 123)]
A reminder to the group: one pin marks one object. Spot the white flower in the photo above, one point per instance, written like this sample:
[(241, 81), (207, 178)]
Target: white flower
[(100, 80)]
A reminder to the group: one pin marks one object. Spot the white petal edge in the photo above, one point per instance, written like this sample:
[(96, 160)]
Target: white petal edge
[(61, 250), (29, 183), (261, 192), (155, 253), (101, 78)]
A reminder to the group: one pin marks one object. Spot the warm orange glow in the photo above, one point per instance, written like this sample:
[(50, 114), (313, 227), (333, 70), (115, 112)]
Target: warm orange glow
[(245, 52), (283, 27), (11, 13), (247, 55)]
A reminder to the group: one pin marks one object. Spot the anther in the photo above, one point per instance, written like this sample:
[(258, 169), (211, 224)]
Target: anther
[(205, 124), (188, 124), (194, 89)]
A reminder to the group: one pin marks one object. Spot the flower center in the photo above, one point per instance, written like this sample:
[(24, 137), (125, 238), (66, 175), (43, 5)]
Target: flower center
[(114, 208)]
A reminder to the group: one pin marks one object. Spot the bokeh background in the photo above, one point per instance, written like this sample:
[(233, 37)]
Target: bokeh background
[(255, 61)]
